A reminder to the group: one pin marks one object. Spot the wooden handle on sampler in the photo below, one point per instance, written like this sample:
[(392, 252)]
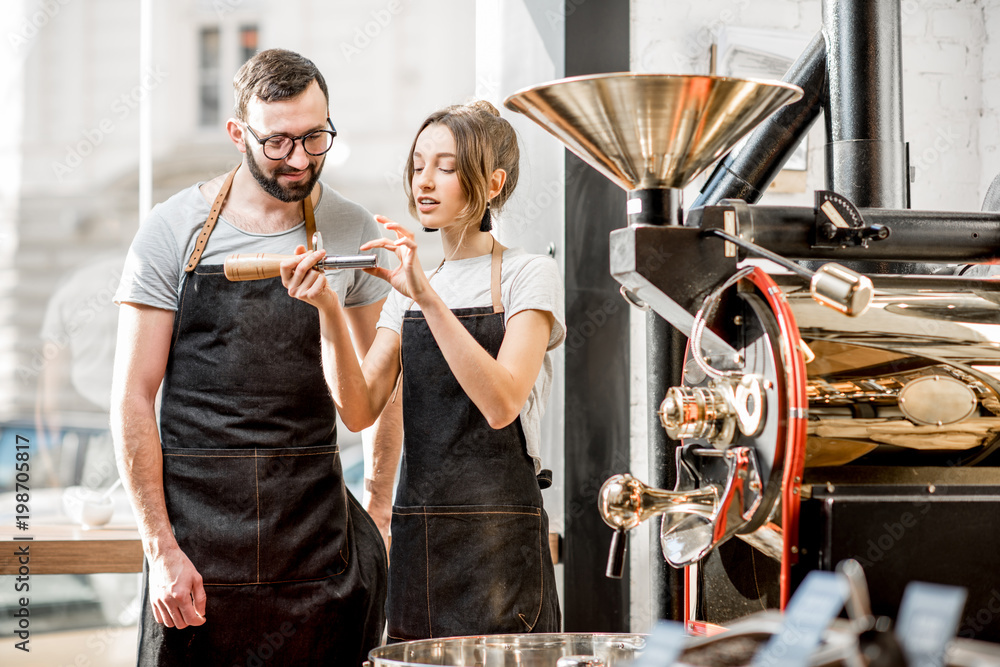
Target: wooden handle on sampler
[(254, 267)]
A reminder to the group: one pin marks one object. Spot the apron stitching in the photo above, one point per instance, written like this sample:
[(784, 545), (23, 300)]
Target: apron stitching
[(426, 514), (347, 540), (419, 319), (257, 491), (248, 456), (541, 584), (427, 576), (277, 581), (179, 316), (371, 522), (541, 572)]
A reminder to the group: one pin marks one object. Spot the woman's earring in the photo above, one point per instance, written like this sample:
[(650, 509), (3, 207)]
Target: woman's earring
[(486, 224)]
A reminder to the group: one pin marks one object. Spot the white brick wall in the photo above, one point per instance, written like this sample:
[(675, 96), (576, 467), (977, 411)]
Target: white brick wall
[(951, 81), (989, 135)]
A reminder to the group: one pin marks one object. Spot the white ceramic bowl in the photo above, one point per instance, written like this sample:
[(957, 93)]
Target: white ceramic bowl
[(87, 507)]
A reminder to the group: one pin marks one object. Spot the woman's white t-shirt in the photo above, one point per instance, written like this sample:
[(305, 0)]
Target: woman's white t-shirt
[(527, 282)]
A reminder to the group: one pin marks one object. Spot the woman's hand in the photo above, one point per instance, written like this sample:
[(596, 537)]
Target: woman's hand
[(408, 278), (303, 281)]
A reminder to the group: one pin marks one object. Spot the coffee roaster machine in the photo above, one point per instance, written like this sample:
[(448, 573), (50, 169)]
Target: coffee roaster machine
[(840, 400)]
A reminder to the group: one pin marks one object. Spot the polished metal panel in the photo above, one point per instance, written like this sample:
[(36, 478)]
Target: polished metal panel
[(938, 400), (647, 131), (925, 341)]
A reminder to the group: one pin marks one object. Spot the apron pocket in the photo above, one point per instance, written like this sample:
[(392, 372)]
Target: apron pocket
[(253, 516), (469, 569)]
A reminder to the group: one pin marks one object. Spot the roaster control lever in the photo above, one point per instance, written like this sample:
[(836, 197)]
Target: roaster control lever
[(840, 224), (616, 555)]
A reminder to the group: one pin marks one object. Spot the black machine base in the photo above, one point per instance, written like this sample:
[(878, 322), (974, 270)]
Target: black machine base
[(936, 525)]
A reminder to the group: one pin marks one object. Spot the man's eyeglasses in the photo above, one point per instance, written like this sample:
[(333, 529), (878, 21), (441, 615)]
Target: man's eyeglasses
[(280, 146)]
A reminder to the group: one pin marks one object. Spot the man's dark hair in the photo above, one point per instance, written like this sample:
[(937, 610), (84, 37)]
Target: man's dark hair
[(275, 74)]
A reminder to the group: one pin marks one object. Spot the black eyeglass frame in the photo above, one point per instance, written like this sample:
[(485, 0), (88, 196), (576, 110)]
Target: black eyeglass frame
[(302, 138)]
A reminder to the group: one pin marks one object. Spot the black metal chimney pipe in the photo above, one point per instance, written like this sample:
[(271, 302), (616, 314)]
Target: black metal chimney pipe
[(866, 157), (746, 173)]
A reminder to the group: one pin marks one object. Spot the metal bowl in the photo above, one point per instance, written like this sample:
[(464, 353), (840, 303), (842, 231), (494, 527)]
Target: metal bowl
[(736, 646), (528, 650)]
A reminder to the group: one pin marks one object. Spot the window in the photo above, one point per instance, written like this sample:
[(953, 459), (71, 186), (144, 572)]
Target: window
[(217, 60), (248, 43), (208, 76)]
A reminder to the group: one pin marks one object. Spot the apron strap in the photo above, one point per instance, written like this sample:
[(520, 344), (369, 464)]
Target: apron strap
[(310, 218), (213, 217), (495, 265)]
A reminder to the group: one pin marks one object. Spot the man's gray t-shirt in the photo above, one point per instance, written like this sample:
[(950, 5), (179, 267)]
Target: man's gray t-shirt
[(155, 264)]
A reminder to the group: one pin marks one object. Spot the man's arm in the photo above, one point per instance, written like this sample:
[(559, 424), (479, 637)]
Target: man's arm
[(175, 586), (382, 456)]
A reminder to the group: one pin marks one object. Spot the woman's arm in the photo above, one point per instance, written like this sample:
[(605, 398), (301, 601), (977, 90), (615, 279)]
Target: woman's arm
[(359, 391), (498, 387)]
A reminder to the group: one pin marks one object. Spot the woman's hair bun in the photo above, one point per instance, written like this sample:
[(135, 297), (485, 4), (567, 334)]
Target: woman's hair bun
[(483, 105)]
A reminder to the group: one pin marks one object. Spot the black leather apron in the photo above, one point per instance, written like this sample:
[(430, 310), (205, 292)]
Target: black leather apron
[(294, 569), (470, 552)]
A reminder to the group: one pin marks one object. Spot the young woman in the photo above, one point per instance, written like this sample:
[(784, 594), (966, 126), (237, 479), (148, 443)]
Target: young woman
[(468, 344)]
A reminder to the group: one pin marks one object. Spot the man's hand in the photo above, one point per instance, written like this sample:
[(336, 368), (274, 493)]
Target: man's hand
[(380, 510), (303, 281), (176, 592)]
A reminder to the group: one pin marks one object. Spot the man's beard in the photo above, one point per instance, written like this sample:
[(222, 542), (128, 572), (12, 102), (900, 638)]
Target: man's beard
[(290, 193)]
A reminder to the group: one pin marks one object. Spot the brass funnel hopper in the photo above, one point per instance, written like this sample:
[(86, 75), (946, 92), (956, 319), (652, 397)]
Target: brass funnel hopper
[(651, 134)]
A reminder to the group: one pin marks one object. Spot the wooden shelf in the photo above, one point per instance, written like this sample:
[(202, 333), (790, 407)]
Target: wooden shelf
[(69, 549)]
